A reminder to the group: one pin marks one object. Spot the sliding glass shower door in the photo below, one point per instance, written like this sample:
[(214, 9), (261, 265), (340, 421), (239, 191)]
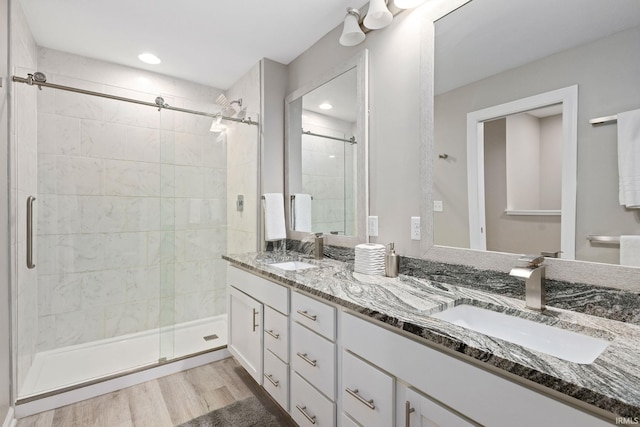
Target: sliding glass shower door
[(123, 211), (91, 170)]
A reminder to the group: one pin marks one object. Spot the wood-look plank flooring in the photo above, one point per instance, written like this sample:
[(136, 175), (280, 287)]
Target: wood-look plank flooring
[(167, 401)]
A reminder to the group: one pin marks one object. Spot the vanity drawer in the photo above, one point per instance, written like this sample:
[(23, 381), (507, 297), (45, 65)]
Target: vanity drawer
[(315, 315), (348, 422), (314, 358), (309, 407), (265, 291), (276, 333), (367, 392), (276, 380)]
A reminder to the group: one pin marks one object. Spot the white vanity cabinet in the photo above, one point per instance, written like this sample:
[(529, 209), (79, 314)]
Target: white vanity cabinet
[(245, 334), (364, 373), (259, 330), (455, 392), (313, 361)]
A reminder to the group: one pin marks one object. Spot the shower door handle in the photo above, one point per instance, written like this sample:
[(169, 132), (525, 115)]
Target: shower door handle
[(30, 263)]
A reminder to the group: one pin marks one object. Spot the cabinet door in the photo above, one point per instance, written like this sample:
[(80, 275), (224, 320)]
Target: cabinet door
[(420, 411), (245, 332)]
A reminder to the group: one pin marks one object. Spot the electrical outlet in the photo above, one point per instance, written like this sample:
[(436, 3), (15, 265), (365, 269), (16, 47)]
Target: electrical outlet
[(373, 226), (438, 206), (415, 228)]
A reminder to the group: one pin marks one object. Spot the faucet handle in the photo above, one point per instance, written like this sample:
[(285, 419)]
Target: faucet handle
[(531, 260)]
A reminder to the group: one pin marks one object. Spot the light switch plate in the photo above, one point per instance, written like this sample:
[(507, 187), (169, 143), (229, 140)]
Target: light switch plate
[(438, 206), (415, 228), (373, 226)]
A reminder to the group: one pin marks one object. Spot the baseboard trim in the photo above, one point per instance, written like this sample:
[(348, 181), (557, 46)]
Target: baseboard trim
[(10, 420), (66, 398)]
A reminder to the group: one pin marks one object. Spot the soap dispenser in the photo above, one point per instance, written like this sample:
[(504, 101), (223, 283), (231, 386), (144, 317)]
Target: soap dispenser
[(391, 262)]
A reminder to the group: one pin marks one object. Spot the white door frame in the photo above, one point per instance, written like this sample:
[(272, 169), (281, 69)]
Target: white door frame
[(568, 96)]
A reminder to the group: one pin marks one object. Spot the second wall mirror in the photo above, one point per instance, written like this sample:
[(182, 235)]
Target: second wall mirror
[(326, 156)]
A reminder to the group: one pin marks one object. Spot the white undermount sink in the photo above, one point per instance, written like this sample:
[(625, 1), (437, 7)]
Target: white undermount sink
[(561, 343), (293, 265)]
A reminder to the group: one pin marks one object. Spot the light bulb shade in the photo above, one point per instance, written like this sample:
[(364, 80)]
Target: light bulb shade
[(378, 15), (407, 4), (351, 33)]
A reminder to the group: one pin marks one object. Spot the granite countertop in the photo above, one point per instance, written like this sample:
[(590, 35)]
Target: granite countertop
[(611, 382)]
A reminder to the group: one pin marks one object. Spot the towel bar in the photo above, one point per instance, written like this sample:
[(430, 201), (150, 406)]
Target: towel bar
[(609, 240), (603, 120)]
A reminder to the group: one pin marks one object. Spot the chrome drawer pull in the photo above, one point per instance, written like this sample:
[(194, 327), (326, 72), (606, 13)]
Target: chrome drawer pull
[(368, 403), (271, 380), (307, 315), (273, 334), (303, 409), (408, 410), (255, 312), (304, 357)]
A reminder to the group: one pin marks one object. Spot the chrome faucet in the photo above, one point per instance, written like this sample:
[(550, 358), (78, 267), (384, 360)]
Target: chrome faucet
[(532, 270), (318, 251)]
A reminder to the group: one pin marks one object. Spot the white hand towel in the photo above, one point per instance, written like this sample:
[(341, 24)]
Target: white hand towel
[(630, 250), (302, 212), (629, 158), (274, 228)]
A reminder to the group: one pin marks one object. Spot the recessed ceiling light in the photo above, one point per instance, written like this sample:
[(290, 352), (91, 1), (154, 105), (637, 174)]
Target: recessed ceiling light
[(149, 58), (325, 106)]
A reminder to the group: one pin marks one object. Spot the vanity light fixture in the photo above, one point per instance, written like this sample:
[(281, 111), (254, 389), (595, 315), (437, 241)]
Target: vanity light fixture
[(378, 15), (325, 106), (352, 33), (407, 4), (217, 126), (149, 58)]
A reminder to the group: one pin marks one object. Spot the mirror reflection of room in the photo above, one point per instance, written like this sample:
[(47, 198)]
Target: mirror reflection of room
[(325, 202), (523, 173), (490, 53)]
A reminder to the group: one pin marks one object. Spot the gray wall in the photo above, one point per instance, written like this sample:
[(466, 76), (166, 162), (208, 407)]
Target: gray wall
[(606, 73), (5, 341), (394, 130), (273, 91)]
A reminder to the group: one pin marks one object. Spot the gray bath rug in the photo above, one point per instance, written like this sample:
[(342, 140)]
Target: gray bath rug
[(249, 412)]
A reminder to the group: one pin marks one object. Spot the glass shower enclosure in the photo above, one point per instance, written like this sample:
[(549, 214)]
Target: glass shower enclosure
[(119, 220)]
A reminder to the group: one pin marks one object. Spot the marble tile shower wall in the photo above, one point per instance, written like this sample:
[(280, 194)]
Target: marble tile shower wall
[(327, 172), (242, 164), (132, 213)]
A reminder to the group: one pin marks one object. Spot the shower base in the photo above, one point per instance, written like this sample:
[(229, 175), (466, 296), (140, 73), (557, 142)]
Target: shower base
[(66, 367)]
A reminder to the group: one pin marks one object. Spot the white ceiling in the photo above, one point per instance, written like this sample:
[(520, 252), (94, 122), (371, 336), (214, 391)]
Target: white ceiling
[(485, 37), (213, 42)]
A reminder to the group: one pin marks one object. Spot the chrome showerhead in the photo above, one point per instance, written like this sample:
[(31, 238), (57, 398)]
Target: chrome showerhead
[(227, 106)]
